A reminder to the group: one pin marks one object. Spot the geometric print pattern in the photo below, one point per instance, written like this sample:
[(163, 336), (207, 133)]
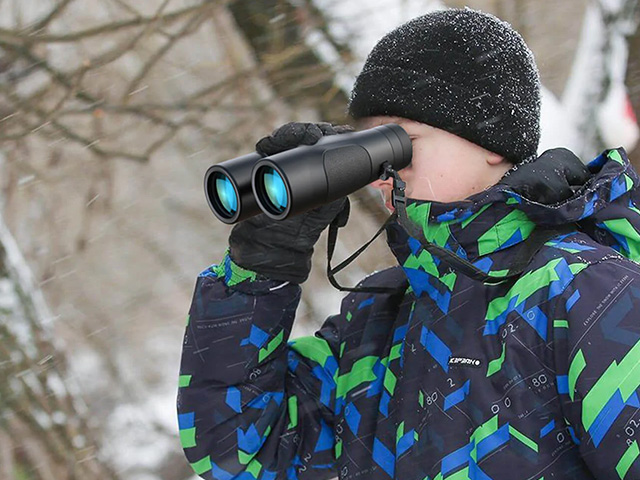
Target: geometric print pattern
[(452, 379)]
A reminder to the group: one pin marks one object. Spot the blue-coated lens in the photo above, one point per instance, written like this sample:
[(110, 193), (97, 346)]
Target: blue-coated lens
[(275, 189), (226, 194)]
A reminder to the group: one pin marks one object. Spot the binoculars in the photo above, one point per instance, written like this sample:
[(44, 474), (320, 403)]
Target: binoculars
[(305, 177)]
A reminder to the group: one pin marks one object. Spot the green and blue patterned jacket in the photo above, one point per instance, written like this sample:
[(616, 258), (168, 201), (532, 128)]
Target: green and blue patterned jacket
[(451, 379)]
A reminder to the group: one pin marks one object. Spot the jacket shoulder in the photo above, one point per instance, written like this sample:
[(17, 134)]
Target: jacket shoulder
[(577, 247), (389, 277)]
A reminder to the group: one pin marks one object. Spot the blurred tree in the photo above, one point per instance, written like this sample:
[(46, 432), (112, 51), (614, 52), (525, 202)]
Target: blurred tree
[(110, 114), (595, 82), (79, 106), (633, 81), (279, 32), (39, 96), (43, 422)]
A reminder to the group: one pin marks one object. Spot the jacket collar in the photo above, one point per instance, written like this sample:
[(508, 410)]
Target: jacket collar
[(487, 228), (474, 229)]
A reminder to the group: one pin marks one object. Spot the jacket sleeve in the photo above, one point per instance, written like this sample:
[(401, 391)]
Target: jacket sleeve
[(597, 332), (252, 405)]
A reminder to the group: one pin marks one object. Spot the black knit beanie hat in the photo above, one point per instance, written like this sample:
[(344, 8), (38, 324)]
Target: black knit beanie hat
[(460, 70)]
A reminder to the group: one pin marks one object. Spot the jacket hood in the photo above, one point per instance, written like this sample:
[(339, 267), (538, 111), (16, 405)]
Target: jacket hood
[(498, 219)]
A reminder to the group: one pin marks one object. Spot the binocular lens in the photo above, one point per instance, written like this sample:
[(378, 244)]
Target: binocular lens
[(274, 188), (226, 194)]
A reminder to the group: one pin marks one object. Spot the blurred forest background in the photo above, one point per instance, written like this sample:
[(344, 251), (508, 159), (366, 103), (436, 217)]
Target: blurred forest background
[(110, 113)]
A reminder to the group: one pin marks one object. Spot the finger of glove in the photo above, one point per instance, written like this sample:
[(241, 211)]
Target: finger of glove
[(344, 128), (288, 136), (267, 232), (316, 220), (299, 232), (329, 129)]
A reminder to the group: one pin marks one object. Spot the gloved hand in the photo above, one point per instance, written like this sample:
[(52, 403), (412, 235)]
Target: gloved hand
[(282, 250), (553, 177)]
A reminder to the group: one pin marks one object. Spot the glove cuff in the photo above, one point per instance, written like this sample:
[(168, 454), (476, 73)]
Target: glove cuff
[(277, 264), (233, 273)]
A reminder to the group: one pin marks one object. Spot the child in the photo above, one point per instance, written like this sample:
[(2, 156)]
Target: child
[(529, 372)]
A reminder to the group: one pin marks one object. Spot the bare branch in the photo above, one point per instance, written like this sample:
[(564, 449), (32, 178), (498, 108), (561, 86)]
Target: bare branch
[(10, 36), (194, 22), (52, 15)]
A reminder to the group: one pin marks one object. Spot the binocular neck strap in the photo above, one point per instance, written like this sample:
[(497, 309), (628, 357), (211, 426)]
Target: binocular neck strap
[(341, 221)]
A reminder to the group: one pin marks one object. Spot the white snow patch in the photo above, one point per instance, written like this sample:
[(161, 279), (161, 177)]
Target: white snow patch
[(557, 125), (362, 23), (133, 442), (617, 123)]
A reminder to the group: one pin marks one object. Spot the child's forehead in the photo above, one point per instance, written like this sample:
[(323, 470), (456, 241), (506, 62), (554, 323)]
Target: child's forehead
[(370, 122)]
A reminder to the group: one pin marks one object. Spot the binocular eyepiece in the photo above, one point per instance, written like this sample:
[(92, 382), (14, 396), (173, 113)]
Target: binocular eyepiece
[(300, 179)]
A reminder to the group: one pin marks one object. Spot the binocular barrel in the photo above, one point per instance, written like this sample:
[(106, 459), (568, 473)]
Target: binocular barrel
[(300, 179), (227, 187)]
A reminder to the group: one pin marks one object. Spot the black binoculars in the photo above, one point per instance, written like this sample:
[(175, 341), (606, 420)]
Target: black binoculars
[(305, 177)]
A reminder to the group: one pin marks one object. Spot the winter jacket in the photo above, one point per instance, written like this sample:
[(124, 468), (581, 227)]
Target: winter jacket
[(450, 379)]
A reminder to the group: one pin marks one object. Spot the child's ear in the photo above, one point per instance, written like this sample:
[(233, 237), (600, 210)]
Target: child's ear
[(494, 158)]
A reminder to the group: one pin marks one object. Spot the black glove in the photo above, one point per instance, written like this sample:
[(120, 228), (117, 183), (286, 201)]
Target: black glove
[(282, 249), (553, 177)]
